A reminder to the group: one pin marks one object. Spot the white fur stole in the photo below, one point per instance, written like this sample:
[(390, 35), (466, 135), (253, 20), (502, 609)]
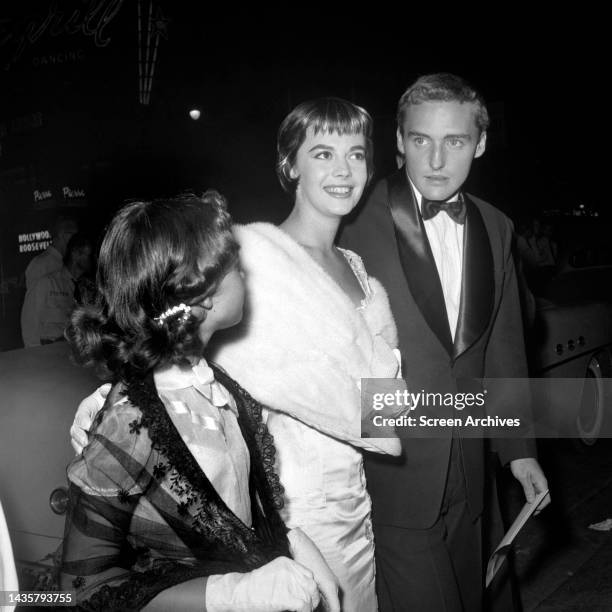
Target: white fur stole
[(303, 347)]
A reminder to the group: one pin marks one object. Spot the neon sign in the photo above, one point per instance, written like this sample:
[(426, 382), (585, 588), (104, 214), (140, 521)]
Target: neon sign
[(34, 241)]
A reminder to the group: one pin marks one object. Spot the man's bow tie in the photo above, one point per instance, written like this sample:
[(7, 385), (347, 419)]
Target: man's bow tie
[(455, 210)]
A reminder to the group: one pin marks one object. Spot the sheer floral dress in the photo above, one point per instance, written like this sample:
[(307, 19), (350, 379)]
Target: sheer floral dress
[(177, 482)]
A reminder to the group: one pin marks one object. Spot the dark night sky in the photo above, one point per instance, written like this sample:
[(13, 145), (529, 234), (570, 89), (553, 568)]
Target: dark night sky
[(246, 66), (70, 114)]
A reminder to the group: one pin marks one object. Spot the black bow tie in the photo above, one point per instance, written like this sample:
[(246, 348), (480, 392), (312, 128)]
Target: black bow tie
[(455, 210)]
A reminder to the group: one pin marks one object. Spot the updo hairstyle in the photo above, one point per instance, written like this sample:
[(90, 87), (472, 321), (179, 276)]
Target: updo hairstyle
[(157, 258)]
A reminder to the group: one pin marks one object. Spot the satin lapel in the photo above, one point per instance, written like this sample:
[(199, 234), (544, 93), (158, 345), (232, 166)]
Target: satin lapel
[(416, 257), (477, 283)]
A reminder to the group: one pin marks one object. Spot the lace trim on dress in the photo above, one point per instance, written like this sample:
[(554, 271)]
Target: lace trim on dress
[(135, 593), (360, 273), (187, 481), (211, 516), (251, 410)]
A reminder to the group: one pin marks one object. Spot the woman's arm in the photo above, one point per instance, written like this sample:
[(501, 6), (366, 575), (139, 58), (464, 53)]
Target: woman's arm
[(107, 484), (85, 416), (280, 585)]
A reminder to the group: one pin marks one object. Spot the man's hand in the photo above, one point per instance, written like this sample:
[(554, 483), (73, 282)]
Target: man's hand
[(85, 415), (305, 552), (529, 473)]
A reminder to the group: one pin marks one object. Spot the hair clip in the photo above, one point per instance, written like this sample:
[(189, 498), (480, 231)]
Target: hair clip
[(172, 311)]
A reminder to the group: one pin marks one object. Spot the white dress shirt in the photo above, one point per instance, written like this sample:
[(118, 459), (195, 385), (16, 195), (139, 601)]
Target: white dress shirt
[(446, 241)]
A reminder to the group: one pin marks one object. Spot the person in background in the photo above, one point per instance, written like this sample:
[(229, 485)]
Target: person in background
[(51, 259), (527, 245), (49, 301), (537, 251), (548, 245), (174, 501)]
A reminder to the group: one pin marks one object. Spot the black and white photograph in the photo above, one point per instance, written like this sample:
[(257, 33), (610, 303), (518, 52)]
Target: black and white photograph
[(304, 307)]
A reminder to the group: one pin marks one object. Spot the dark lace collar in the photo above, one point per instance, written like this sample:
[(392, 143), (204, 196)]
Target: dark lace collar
[(211, 515)]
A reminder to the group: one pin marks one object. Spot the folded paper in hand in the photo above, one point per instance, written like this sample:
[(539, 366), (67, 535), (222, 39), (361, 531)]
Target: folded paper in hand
[(499, 554)]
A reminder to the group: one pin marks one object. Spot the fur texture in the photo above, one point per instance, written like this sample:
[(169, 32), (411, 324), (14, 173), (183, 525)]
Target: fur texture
[(303, 347)]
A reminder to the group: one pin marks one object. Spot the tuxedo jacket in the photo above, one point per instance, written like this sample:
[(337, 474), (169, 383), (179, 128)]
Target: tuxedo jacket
[(389, 234)]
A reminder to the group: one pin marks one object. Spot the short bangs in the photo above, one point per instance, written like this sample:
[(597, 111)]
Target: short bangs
[(327, 115)]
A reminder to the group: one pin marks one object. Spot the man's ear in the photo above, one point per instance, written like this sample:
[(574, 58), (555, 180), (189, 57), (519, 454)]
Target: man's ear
[(481, 146), (400, 142)]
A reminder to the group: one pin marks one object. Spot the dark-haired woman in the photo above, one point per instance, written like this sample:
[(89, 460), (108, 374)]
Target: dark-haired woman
[(316, 324), (174, 502)]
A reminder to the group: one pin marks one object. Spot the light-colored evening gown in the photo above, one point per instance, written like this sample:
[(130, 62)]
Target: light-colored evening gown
[(326, 496)]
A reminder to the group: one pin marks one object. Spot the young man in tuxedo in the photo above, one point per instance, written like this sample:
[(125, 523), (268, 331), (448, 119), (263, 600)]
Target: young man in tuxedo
[(445, 260)]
